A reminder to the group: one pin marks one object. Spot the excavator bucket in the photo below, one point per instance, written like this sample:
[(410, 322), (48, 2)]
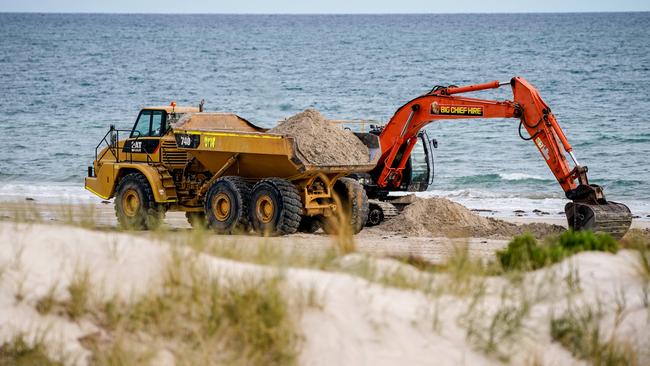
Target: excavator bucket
[(612, 218)]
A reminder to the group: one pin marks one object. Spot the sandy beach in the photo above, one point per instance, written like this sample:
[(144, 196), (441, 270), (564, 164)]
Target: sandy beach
[(372, 240)]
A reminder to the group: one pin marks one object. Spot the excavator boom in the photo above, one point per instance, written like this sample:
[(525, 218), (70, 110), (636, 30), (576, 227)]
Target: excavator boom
[(588, 210)]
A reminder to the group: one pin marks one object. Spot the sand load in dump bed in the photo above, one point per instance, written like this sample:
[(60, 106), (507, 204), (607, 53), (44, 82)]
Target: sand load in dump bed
[(208, 121), (322, 143), (300, 147), (442, 217)]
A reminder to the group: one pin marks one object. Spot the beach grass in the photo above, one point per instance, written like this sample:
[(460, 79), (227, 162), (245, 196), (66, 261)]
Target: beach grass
[(22, 350), (578, 330)]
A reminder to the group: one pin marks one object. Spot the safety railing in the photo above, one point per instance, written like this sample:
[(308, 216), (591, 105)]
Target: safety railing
[(110, 140)]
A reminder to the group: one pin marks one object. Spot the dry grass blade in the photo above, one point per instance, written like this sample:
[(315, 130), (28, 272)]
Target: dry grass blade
[(578, 330), (242, 320), (79, 291), (26, 351)]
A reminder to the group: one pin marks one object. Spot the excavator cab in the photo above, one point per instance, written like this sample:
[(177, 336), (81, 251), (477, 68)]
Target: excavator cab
[(420, 168)]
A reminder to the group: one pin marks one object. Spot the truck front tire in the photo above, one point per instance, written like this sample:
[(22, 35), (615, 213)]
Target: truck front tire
[(135, 206), (226, 205)]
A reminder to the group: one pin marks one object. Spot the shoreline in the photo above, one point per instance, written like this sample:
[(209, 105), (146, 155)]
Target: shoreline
[(496, 205), (51, 210), (104, 216)]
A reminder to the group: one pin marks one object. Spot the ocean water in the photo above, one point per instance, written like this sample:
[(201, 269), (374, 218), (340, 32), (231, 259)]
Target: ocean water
[(66, 78)]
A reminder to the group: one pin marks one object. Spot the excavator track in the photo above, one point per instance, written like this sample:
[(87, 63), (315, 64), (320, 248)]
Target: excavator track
[(612, 218), (380, 211)]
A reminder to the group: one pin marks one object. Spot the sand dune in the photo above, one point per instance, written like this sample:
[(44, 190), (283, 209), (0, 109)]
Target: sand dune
[(360, 319)]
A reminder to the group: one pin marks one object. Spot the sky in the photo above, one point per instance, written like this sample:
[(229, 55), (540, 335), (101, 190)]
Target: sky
[(321, 6)]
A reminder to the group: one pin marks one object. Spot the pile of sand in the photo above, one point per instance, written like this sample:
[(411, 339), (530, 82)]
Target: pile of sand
[(442, 217), (321, 143), (211, 121)]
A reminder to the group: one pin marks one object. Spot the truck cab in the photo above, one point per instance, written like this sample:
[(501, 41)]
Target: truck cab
[(121, 152), (152, 124)]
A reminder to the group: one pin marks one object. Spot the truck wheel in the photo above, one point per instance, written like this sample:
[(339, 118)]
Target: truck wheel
[(226, 205), (135, 206), (196, 219), (375, 215), (353, 198), (275, 207), (309, 224)]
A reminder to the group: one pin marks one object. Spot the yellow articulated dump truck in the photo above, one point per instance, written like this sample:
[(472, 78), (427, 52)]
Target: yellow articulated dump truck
[(224, 173)]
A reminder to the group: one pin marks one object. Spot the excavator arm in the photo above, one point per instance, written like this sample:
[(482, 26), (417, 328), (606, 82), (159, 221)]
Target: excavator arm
[(588, 210)]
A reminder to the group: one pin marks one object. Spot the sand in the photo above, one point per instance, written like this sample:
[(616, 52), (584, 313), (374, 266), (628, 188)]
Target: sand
[(211, 121), (638, 232), (357, 322), (442, 217), (322, 143)]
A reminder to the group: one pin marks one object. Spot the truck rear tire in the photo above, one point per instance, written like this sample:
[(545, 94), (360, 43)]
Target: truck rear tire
[(275, 207), (226, 205), (354, 200), (135, 206)]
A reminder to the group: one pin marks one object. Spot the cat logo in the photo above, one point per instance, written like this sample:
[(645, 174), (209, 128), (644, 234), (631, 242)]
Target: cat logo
[(136, 146)]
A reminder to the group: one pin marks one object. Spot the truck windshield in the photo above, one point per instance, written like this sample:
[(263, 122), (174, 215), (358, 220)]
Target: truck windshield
[(149, 123)]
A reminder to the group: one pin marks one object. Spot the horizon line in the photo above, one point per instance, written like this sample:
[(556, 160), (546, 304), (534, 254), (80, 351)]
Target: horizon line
[(306, 13)]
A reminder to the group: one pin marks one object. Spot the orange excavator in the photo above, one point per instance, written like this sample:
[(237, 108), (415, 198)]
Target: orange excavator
[(588, 209)]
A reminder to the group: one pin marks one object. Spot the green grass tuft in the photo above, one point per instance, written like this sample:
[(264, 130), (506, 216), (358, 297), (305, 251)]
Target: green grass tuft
[(578, 241), (525, 253)]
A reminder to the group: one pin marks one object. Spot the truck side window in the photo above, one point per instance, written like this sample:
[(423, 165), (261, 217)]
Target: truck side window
[(157, 128), (143, 125)]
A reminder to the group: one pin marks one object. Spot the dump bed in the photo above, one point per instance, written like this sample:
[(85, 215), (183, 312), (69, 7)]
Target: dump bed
[(214, 138)]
